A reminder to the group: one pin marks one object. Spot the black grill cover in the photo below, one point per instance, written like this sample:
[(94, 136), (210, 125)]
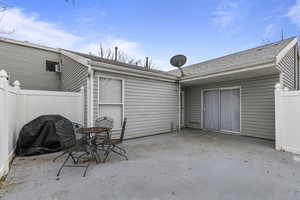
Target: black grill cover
[(39, 136)]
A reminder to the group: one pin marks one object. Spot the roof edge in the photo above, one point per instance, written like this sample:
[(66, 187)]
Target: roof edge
[(285, 50), (232, 71), (28, 44), (247, 65), (80, 59), (131, 71)]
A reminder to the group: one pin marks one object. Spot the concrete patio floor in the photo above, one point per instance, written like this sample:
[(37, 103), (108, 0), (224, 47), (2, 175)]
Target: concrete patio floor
[(190, 165)]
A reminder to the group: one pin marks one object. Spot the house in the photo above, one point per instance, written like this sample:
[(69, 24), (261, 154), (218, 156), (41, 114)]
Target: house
[(231, 94), (235, 93), (148, 98)]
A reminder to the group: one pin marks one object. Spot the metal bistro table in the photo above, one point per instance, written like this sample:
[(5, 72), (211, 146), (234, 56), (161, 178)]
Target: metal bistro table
[(98, 139)]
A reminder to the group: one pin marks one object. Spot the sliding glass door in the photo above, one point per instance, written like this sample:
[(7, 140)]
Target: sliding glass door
[(230, 110), (211, 109), (221, 109)]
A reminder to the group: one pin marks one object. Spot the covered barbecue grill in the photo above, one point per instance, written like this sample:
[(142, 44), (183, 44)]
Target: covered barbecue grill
[(39, 136)]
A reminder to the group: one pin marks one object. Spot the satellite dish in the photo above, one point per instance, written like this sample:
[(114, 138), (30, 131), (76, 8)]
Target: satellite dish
[(178, 61)]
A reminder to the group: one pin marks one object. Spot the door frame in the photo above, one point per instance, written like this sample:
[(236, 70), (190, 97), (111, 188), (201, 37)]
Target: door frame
[(219, 89)]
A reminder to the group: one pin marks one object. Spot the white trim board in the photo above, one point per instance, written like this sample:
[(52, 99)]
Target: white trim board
[(77, 58), (99, 66), (195, 77), (92, 96), (286, 49)]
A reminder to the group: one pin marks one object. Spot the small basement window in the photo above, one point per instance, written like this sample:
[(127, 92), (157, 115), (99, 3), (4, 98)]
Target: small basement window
[(51, 66)]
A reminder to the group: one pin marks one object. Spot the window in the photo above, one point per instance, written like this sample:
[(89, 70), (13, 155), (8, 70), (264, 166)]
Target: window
[(111, 99), (51, 66)]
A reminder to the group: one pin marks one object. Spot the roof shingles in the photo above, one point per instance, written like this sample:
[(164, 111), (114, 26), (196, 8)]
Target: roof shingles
[(256, 55)]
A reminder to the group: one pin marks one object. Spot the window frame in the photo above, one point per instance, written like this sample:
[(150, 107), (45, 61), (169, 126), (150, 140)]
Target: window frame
[(52, 62), (122, 104)]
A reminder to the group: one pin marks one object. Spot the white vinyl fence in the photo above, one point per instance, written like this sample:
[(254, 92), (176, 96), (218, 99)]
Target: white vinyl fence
[(287, 119), (18, 107)]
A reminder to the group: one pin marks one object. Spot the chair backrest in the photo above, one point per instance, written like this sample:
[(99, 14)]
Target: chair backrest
[(65, 132), (123, 129), (77, 130), (104, 122)]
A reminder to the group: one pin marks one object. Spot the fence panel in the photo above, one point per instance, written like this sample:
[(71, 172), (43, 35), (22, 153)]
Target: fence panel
[(33, 103), (18, 107), (287, 118)]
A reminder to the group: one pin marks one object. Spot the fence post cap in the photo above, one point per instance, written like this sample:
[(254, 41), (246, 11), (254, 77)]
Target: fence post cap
[(17, 83), (278, 86), (3, 74)]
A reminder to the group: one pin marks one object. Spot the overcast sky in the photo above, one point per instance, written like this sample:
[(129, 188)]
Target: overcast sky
[(159, 29)]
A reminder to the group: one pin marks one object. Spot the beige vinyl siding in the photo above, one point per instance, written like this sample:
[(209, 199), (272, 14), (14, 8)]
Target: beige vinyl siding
[(192, 105), (28, 65), (73, 77), (257, 105), (287, 68), (151, 106)]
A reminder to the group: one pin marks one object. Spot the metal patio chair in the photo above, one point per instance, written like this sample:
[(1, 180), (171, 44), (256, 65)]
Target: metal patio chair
[(114, 144), (102, 140), (104, 122), (75, 149), (76, 128)]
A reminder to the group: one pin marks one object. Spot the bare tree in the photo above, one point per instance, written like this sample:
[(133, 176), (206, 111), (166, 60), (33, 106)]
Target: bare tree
[(120, 56)]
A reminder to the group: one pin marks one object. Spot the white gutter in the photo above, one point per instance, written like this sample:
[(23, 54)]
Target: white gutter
[(100, 66), (179, 103), (193, 78)]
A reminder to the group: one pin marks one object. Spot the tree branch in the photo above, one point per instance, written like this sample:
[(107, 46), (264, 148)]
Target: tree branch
[(109, 53)]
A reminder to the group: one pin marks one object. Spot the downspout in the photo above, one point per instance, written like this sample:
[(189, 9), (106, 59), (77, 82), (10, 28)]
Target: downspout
[(297, 66), (298, 75), (179, 105), (90, 95)]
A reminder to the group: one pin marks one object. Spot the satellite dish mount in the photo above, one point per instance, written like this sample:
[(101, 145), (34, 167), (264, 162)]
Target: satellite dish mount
[(178, 61)]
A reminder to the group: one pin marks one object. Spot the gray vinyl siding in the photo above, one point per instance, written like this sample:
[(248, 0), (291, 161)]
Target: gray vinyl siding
[(151, 106), (287, 68), (192, 107), (257, 105), (73, 77), (28, 65)]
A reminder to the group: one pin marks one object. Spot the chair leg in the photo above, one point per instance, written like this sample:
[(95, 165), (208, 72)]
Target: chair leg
[(86, 168), (58, 173), (58, 156), (106, 155), (121, 154), (121, 149), (96, 156), (73, 158), (107, 152), (77, 158)]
